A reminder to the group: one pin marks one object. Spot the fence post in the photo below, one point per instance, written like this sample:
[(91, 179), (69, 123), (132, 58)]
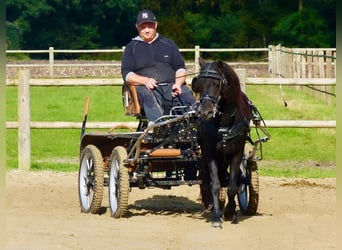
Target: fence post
[(242, 76), (197, 56), (335, 63), (24, 142), (51, 62), (271, 55)]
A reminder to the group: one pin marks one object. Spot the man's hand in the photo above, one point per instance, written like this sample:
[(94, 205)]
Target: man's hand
[(150, 83), (176, 90)]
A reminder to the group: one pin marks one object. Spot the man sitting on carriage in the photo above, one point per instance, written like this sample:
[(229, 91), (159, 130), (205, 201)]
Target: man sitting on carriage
[(154, 66)]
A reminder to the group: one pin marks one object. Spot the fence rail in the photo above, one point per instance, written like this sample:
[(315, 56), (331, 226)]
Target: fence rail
[(52, 52), (282, 61), (118, 81), (134, 125)]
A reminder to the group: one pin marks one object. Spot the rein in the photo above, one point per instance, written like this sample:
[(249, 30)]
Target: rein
[(162, 83)]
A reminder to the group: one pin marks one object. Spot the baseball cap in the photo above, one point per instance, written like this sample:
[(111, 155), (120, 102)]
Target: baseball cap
[(146, 16)]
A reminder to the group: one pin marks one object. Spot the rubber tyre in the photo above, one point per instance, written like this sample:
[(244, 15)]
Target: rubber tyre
[(118, 187), (90, 179), (248, 197)]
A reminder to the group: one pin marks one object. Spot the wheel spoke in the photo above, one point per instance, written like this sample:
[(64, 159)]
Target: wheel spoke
[(89, 164)]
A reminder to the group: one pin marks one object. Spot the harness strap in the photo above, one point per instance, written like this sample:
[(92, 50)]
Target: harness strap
[(237, 129), (207, 73), (209, 98)]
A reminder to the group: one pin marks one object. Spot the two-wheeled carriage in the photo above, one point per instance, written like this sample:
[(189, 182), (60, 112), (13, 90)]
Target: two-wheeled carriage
[(162, 155)]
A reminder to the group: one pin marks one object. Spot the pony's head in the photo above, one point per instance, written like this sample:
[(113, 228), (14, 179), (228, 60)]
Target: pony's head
[(216, 82)]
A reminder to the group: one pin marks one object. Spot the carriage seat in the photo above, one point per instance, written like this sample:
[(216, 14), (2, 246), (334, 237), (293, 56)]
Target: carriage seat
[(132, 107), (131, 103), (130, 100)]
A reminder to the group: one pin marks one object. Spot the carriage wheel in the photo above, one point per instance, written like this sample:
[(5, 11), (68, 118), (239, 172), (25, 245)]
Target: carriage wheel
[(118, 183), (248, 195), (90, 180)]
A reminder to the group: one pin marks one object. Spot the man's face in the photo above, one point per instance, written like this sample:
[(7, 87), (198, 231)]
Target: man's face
[(147, 31)]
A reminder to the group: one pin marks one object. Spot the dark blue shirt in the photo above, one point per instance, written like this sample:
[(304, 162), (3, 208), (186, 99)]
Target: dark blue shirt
[(159, 59)]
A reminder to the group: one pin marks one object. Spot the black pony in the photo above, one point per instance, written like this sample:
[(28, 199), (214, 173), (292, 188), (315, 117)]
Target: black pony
[(225, 115)]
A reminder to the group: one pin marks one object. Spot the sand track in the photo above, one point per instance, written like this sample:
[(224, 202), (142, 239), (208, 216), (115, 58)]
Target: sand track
[(43, 213)]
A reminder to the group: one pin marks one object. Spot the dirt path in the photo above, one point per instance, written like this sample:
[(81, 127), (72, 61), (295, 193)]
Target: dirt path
[(43, 213)]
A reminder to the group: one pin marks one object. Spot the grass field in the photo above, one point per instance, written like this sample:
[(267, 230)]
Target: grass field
[(58, 149)]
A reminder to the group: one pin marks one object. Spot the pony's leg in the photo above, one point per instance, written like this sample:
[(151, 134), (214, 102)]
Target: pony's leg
[(205, 191), (208, 134), (215, 189), (230, 209)]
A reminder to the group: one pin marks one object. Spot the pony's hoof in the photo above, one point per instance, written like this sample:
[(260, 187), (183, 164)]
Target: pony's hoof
[(235, 219), (232, 218), (216, 221), (229, 214), (216, 224)]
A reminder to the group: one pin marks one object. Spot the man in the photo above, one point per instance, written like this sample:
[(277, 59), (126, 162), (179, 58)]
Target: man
[(154, 65)]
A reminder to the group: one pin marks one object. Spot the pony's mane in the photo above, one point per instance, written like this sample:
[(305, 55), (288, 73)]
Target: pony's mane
[(232, 92)]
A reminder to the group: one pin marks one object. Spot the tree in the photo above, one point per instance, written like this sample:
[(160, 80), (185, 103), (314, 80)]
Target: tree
[(88, 24), (303, 29), (72, 24), (12, 36)]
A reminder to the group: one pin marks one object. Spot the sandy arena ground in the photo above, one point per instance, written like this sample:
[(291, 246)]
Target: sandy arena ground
[(43, 212)]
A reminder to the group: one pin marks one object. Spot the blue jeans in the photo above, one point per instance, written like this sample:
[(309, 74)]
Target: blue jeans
[(157, 102)]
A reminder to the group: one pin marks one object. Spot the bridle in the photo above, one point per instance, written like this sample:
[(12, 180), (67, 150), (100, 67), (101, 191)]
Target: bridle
[(213, 74)]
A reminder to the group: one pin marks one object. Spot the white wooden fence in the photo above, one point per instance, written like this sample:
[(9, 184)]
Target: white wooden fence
[(282, 62), (197, 50), (24, 81), (24, 123), (305, 63), (279, 60)]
